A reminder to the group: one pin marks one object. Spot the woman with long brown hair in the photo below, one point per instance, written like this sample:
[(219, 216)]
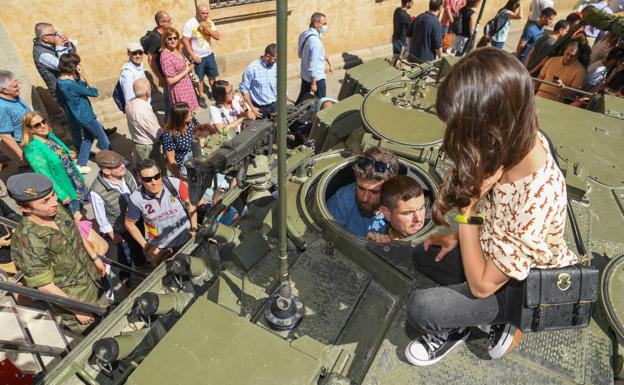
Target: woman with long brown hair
[(511, 202), (176, 70)]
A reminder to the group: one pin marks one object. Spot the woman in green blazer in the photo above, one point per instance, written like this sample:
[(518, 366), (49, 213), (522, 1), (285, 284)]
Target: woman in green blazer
[(49, 156)]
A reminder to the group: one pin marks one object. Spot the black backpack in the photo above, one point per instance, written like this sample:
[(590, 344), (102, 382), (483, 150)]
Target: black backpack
[(119, 98), (143, 42), (457, 26), (496, 24)]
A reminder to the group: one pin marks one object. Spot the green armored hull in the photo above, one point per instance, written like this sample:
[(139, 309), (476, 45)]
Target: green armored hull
[(209, 322), (355, 293)]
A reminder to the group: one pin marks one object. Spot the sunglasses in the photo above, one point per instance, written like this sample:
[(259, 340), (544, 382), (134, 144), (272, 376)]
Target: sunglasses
[(40, 124), (364, 163), (136, 53), (147, 179), (172, 38)]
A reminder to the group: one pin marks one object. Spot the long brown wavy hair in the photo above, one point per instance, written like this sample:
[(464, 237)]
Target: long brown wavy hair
[(487, 104)]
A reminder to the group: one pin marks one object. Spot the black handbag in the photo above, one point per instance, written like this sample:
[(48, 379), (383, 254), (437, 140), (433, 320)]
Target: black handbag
[(554, 299)]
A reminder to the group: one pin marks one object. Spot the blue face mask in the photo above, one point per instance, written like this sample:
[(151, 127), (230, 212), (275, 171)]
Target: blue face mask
[(324, 29)]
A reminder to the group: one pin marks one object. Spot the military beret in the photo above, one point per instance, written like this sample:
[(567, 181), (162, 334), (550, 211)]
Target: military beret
[(108, 159), (28, 186)]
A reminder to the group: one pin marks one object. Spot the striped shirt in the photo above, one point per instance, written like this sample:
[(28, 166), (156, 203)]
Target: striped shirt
[(260, 81)]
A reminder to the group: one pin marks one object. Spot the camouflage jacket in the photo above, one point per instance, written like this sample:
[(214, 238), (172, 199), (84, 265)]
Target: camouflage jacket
[(48, 255)]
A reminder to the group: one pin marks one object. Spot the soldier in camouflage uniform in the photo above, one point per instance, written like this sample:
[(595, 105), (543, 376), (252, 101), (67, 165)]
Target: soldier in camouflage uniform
[(48, 249)]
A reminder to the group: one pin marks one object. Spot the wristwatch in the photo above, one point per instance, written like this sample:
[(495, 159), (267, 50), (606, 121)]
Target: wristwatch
[(193, 229), (468, 219)]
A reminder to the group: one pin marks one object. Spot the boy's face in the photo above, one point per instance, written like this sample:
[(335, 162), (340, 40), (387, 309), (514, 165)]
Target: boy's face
[(408, 217)]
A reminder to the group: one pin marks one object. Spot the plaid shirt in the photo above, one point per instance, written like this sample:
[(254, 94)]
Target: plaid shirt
[(261, 82)]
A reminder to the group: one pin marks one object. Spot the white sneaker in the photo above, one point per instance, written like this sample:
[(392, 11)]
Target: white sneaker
[(431, 348), (84, 169), (503, 339)]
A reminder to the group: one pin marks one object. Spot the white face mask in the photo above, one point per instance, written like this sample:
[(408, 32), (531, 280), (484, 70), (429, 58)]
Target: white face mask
[(324, 29)]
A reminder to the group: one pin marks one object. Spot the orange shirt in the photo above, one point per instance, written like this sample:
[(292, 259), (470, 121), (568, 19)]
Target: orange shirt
[(572, 75)]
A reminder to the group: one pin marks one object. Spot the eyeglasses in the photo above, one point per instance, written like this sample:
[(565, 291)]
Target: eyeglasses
[(363, 163), (136, 53), (147, 179), (40, 124), (172, 38)]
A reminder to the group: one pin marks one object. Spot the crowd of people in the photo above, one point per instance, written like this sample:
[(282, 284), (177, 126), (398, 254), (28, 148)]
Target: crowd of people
[(449, 26), (141, 214), (143, 218)]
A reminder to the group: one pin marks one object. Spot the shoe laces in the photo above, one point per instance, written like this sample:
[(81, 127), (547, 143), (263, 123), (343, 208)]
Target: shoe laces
[(434, 341), (492, 336)]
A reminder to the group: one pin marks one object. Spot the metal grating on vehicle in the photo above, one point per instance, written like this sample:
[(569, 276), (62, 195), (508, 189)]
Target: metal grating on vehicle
[(231, 3)]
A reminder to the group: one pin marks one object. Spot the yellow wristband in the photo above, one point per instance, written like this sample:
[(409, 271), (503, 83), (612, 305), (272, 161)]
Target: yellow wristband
[(468, 219)]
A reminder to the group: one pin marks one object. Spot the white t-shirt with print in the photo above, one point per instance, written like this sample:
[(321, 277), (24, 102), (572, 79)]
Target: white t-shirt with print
[(225, 116), (201, 46)]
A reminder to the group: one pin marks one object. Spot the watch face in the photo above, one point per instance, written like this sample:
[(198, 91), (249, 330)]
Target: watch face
[(475, 220)]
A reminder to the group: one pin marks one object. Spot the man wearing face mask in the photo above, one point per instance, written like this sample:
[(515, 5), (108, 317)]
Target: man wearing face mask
[(259, 85), (312, 54)]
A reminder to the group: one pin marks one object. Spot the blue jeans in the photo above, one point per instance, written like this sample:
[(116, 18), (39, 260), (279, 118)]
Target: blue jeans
[(398, 46), (207, 67), (90, 131), (498, 44), (321, 89)]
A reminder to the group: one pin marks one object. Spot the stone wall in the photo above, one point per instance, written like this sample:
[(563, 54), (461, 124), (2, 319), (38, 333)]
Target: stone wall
[(104, 27)]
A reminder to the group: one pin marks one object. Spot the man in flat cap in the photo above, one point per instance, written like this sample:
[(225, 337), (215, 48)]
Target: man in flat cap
[(110, 192), (48, 249)]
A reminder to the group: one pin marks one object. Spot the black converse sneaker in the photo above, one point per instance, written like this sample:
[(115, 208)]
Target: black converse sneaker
[(431, 348), (503, 338)]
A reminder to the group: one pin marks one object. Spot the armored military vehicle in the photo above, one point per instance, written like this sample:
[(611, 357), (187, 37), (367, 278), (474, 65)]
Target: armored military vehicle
[(286, 296)]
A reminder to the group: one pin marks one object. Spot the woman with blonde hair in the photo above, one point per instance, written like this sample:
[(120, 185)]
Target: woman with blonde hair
[(49, 156), (176, 70), (511, 202)]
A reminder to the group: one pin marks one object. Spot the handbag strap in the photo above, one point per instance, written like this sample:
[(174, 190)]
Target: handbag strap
[(578, 240)]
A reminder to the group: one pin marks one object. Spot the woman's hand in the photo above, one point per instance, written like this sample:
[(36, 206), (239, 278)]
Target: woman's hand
[(66, 201), (72, 155), (447, 242), (100, 267), (190, 68)]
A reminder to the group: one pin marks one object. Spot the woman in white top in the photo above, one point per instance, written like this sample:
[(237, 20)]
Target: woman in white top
[(511, 198), (511, 11), (229, 110)]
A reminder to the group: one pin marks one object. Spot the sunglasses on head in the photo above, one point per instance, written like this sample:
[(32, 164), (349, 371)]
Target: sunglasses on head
[(364, 163), (40, 124), (147, 179)]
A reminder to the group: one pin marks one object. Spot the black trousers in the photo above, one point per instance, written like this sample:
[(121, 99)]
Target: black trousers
[(451, 305), (266, 110), (134, 250), (321, 89)]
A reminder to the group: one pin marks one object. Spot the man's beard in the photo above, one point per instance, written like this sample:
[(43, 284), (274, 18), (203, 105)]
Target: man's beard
[(367, 211)]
